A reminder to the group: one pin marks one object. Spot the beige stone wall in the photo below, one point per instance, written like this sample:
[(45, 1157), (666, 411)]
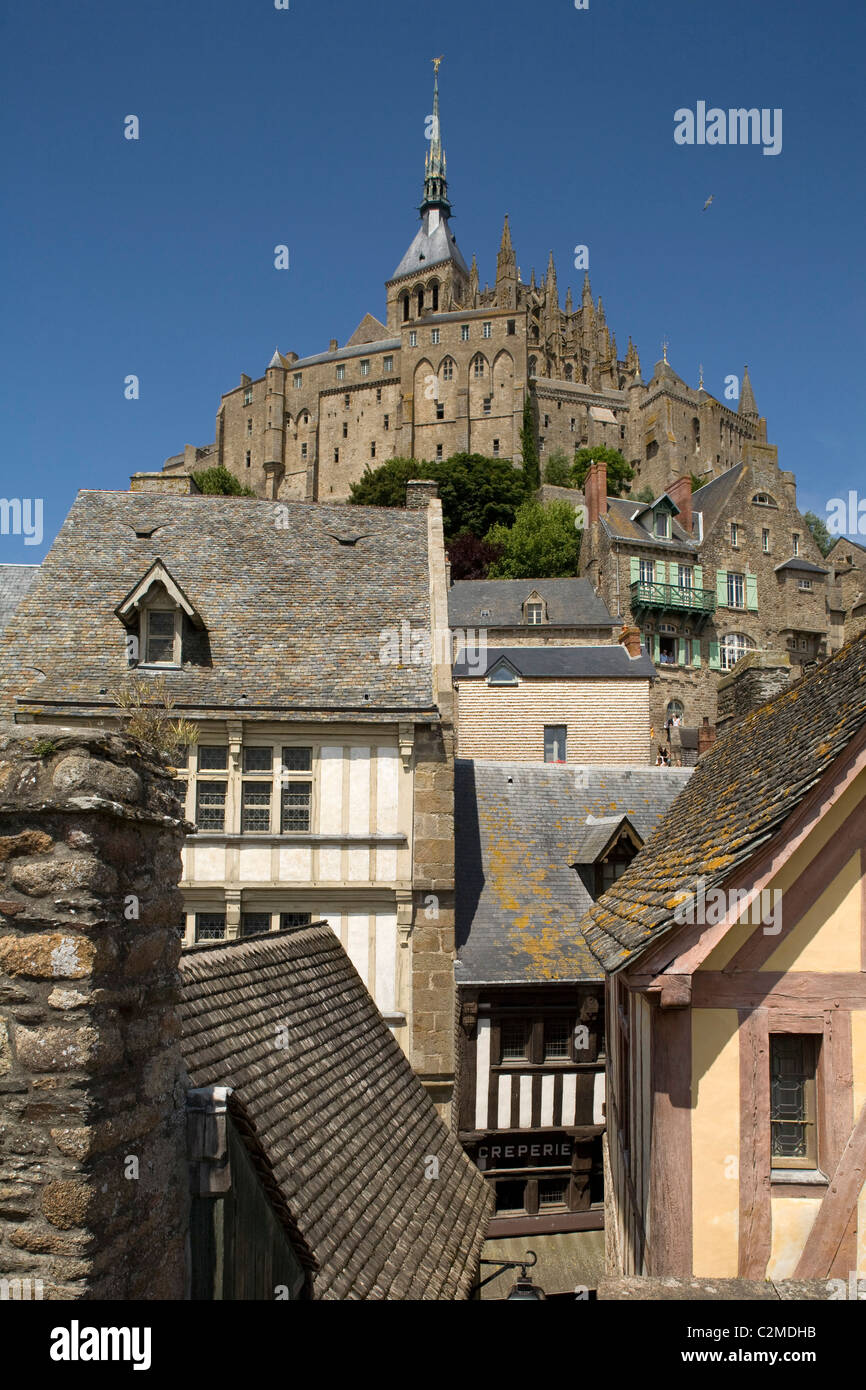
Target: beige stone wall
[(93, 1176), (608, 721)]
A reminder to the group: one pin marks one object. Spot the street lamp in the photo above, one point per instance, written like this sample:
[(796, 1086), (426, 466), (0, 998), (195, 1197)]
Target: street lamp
[(523, 1287)]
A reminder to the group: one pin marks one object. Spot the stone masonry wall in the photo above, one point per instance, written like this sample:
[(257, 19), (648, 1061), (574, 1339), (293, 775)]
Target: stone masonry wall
[(93, 1183), (433, 930)]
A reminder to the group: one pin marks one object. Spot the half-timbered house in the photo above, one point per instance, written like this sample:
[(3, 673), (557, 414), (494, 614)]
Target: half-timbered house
[(735, 952)]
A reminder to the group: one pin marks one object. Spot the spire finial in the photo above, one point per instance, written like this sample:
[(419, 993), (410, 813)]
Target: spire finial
[(701, 373), (435, 186), (665, 346)]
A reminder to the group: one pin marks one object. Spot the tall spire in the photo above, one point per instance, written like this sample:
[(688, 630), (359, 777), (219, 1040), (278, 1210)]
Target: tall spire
[(506, 271), (435, 185), (747, 397)]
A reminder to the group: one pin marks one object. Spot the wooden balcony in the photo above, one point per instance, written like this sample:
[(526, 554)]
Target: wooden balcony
[(647, 598)]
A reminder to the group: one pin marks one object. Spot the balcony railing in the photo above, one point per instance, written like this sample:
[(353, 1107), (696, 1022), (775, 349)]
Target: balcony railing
[(672, 596)]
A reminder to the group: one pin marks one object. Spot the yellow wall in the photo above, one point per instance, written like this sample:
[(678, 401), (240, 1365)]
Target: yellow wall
[(715, 1141), (792, 1219)]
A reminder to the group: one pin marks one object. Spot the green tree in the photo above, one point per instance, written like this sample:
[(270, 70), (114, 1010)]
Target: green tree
[(529, 447), (219, 482), (543, 543), (619, 472), (645, 495), (476, 492), (385, 486), (471, 558), (557, 469), (818, 527)]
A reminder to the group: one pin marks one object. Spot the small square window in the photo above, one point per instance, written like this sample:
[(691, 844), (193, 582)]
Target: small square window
[(294, 919), (248, 395), (210, 926), (341, 372), (805, 585), (297, 759), (434, 336), (557, 1036), (388, 364), (413, 338), (258, 760), (212, 758), (440, 411), (552, 1194), (365, 366), (298, 380), (256, 923)]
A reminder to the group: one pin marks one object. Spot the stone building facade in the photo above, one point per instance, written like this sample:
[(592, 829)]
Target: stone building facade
[(321, 781), (709, 576), (449, 370)]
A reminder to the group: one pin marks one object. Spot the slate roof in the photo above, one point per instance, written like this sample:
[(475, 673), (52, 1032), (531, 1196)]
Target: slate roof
[(293, 618), (796, 562), (622, 524), (742, 790), (562, 663), (340, 1114), (15, 583), (570, 603), (713, 497), (519, 827), (427, 251)]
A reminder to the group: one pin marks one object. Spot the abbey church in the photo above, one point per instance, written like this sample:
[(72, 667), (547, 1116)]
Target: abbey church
[(449, 371)]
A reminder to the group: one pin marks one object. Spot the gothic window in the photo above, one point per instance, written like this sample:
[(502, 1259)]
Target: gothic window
[(420, 302), (405, 303), (569, 371), (478, 367), (532, 366), (448, 369), (434, 294)]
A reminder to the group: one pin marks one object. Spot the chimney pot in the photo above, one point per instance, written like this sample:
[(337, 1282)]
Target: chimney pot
[(420, 491)]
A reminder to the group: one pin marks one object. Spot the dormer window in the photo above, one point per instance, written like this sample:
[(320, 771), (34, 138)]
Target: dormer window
[(161, 636), (503, 674), (662, 526), (535, 614)]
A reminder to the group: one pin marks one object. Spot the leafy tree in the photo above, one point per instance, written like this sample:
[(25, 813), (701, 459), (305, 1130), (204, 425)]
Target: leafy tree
[(476, 492), (619, 472), (822, 536), (385, 486), (219, 482), (529, 447), (557, 469), (471, 558), (543, 543)]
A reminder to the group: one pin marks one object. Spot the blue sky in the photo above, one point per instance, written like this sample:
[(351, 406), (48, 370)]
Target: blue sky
[(306, 127)]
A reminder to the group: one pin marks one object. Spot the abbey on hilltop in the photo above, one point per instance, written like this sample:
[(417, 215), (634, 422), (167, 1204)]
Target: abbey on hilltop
[(449, 371)]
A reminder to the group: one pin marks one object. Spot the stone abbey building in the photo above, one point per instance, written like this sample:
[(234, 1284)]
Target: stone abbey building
[(449, 370)]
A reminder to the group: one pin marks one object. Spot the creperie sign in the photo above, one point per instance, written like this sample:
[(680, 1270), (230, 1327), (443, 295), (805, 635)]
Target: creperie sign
[(557, 1149)]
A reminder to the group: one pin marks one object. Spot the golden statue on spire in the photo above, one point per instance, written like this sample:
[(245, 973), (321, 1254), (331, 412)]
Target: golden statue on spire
[(436, 62)]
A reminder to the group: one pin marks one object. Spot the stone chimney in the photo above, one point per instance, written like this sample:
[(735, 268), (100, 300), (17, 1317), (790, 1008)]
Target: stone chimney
[(756, 678), (171, 484), (93, 1167), (680, 492), (630, 639), (595, 489), (420, 491), (706, 736), (332, 346)]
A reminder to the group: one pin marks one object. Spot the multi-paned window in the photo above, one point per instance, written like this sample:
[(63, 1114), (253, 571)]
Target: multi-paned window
[(733, 645), (736, 590), (341, 372), (554, 743), (448, 369), (210, 926), (765, 540), (296, 791), (295, 919), (557, 1039), (534, 613), (298, 380), (685, 575), (211, 787), (365, 366), (388, 364), (413, 338), (662, 525), (160, 630), (486, 330), (514, 1044), (464, 332), (255, 923), (248, 395), (478, 367), (793, 1127), (647, 571), (434, 335)]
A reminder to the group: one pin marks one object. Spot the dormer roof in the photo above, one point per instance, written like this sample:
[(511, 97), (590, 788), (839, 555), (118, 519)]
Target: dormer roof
[(127, 610)]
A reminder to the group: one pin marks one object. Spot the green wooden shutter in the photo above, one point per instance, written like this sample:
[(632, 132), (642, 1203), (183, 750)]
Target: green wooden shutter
[(699, 576), (683, 651), (696, 651), (722, 588), (715, 663), (752, 592), (634, 563)]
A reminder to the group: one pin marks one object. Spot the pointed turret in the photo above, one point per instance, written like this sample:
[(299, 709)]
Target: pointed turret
[(550, 282), (506, 271), (569, 305), (276, 360), (747, 398), (587, 292)]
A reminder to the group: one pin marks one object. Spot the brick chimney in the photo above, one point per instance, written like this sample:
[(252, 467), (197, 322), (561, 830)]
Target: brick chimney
[(706, 736), (680, 492), (420, 491), (630, 639), (595, 489)]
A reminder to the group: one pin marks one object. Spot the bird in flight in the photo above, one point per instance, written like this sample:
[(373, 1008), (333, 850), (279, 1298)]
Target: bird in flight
[(707, 203)]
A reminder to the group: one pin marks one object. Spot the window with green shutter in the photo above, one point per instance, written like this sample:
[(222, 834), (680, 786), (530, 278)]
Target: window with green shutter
[(722, 588), (696, 651), (634, 564), (715, 663), (752, 592), (683, 647), (699, 576)]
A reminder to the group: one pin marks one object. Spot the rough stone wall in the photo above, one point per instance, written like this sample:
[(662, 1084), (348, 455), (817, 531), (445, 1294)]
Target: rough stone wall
[(93, 1181), (433, 994), (756, 678)]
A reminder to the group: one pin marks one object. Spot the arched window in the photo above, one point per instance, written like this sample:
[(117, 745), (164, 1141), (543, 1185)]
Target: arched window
[(732, 647), (434, 295), (569, 371), (405, 303), (448, 369), (674, 713), (420, 300), (763, 499), (532, 366), (478, 367)]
